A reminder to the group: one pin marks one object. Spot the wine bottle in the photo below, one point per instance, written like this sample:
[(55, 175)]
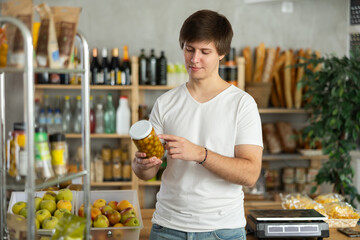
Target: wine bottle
[(152, 68), (115, 72), (95, 67), (126, 68), (161, 70), (105, 68), (143, 68)]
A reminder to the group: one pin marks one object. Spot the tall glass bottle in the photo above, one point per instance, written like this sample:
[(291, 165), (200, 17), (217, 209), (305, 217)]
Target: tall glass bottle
[(77, 116), (152, 68), (95, 67), (126, 68), (99, 118), (115, 72), (109, 116), (123, 116), (143, 80), (92, 116), (105, 72), (66, 118), (75, 78), (161, 69)]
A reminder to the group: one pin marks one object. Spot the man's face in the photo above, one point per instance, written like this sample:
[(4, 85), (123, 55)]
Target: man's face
[(201, 60)]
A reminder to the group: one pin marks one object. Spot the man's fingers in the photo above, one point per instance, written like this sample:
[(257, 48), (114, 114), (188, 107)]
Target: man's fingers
[(168, 137)]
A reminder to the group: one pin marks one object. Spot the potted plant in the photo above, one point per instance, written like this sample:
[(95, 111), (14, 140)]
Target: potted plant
[(333, 98)]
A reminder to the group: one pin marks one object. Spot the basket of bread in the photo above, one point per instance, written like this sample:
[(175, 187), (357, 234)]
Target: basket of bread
[(339, 213)]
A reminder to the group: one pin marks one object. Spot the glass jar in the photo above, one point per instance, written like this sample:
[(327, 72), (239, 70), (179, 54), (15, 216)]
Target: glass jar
[(59, 153), (106, 157), (143, 135), (116, 165), (16, 156)]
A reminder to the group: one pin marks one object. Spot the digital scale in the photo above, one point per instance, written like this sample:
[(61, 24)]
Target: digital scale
[(284, 223)]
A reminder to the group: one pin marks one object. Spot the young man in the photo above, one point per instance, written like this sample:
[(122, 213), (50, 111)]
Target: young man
[(212, 134)]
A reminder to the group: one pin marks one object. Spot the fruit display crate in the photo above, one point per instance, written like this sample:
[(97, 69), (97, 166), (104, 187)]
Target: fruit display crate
[(121, 233), (22, 196)]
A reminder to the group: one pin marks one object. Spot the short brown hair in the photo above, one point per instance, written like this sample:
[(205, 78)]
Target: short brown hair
[(208, 26)]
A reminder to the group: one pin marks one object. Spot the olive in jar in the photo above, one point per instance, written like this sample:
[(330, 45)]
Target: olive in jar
[(143, 135)]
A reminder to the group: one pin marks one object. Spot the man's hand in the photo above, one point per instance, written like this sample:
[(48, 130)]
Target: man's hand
[(146, 163), (181, 148)]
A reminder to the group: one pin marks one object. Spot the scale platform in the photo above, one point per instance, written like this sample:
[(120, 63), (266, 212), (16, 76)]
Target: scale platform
[(284, 223)]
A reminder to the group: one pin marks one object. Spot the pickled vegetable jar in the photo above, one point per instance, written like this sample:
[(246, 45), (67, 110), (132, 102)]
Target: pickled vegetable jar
[(146, 140)]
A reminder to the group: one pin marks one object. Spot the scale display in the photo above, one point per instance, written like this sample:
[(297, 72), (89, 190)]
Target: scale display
[(286, 215)]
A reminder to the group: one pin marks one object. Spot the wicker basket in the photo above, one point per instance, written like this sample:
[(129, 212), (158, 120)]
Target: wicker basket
[(260, 92)]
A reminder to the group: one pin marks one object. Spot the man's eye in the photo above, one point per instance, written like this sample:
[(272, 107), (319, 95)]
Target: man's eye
[(206, 53), (189, 49)]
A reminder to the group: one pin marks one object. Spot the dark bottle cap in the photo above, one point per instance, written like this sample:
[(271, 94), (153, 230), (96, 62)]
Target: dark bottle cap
[(41, 128), (19, 126), (57, 137)]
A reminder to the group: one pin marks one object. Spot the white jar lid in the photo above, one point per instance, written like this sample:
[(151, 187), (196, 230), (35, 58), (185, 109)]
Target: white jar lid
[(140, 129)]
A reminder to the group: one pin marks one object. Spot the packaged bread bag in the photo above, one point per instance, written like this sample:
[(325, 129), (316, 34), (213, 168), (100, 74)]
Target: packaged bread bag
[(66, 22), (47, 49), (22, 10)]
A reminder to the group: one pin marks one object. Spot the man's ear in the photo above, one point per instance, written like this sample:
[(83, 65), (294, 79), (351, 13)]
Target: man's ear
[(221, 57)]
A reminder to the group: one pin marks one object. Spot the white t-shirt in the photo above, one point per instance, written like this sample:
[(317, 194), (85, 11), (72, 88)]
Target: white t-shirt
[(191, 198)]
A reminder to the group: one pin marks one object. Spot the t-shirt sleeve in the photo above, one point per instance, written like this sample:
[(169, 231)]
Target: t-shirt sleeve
[(249, 129), (155, 118)]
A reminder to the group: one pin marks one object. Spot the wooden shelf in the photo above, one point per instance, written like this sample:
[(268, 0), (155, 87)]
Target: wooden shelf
[(149, 183), (97, 135), (291, 156), (282, 110), (145, 87), (78, 87), (111, 184)]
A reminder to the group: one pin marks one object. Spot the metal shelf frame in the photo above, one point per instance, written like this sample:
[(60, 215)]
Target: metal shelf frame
[(28, 78)]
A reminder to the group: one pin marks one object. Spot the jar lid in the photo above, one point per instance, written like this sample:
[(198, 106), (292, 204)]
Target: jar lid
[(57, 137), (140, 129)]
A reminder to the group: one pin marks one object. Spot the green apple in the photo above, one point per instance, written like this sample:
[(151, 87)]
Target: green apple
[(42, 214), (59, 213), (98, 203), (49, 223), (113, 217), (132, 221), (16, 208), (126, 213), (37, 223), (23, 212), (37, 203), (101, 221), (105, 209), (49, 205), (113, 204), (49, 195), (64, 194)]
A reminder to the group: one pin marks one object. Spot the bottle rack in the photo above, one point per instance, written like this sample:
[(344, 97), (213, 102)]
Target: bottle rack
[(29, 185)]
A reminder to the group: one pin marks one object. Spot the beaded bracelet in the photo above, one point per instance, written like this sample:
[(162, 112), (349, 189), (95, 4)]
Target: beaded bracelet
[(206, 152)]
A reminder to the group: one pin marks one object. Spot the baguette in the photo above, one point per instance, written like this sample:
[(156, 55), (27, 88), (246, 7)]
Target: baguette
[(287, 79), (248, 64), (277, 81), (293, 75), (319, 66), (270, 61), (300, 73), (275, 102), (259, 65)]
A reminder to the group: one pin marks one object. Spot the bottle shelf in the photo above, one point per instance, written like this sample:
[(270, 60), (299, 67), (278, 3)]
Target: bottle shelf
[(146, 87), (41, 70), (111, 184), (97, 135), (40, 183), (78, 87)]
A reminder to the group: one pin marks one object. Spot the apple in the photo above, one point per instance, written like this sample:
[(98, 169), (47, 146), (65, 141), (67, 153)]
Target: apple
[(94, 212), (132, 221), (23, 212), (59, 213), (113, 216), (49, 205), (37, 223), (118, 225), (16, 208), (101, 221), (37, 203), (42, 214), (123, 205), (49, 223), (64, 204), (49, 195), (64, 194), (81, 211), (126, 213), (113, 204), (105, 209), (98, 203)]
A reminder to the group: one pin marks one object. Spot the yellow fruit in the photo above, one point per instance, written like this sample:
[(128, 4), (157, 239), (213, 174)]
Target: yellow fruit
[(64, 204), (16, 208), (124, 204)]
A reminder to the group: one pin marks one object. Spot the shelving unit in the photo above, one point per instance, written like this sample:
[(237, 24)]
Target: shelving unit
[(30, 185)]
